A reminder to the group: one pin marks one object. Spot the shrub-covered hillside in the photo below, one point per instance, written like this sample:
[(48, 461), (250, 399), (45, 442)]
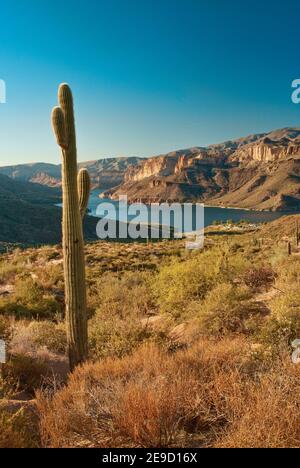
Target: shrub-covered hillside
[(187, 348)]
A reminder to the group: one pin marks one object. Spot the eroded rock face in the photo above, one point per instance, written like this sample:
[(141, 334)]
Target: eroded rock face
[(161, 165), (267, 151), (43, 178), (246, 172)]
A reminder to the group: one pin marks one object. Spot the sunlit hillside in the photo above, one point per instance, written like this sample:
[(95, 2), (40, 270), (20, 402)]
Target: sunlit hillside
[(187, 348)]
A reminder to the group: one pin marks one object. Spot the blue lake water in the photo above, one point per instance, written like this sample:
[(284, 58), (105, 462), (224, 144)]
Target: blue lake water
[(211, 214)]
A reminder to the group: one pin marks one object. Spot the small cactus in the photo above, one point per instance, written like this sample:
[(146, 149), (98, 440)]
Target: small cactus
[(76, 189)]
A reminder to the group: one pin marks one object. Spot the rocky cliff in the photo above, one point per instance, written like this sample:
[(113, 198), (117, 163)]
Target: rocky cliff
[(259, 171)]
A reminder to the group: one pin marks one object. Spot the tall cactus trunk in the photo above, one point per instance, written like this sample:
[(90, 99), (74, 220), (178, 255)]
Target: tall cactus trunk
[(74, 207), (74, 268)]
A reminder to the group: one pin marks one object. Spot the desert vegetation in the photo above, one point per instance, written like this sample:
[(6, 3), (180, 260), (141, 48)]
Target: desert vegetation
[(76, 192), (187, 348)]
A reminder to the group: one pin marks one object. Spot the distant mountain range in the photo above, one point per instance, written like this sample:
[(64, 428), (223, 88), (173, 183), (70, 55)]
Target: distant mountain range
[(260, 171), (104, 173)]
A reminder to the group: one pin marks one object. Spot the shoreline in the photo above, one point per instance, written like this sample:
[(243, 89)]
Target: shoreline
[(237, 208)]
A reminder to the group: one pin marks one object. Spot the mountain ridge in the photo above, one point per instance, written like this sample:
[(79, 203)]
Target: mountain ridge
[(261, 171), (107, 172)]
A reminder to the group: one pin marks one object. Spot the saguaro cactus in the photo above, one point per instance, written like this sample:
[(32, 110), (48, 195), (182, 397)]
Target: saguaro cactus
[(76, 189)]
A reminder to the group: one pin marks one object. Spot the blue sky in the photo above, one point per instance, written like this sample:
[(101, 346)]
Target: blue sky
[(147, 76)]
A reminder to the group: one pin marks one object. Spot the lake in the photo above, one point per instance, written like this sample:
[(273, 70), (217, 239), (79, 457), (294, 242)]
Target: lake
[(211, 214)]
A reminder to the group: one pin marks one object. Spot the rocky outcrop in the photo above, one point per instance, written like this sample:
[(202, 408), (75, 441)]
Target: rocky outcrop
[(157, 166), (258, 171), (267, 151)]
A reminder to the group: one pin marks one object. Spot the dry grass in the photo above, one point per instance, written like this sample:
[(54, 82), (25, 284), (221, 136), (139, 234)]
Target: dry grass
[(270, 417), (18, 430), (151, 399), (213, 395)]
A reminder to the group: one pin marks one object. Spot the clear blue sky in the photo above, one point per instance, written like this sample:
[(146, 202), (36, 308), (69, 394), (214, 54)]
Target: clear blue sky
[(148, 76)]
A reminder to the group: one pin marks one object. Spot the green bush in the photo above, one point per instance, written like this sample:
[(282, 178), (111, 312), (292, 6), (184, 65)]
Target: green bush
[(51, 335), (24, 373), (113, 336), (225, 309), (121, 304), (29, 301), (5, 328), (283, 324), (178, 284)]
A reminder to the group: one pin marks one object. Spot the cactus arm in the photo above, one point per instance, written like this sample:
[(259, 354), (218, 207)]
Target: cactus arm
[(58, 124), (84, 188)]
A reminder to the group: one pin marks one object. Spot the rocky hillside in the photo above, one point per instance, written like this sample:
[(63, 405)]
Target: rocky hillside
[(28, 214), (260, 171), (105, 173)]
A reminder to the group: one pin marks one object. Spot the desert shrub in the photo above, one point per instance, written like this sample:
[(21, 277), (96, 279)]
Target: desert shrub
[(24, 372), (235, 247), (181, 282), (5, 328), (18, 430), (50, 335), (116, 327), (51, 276), (256, 278), (123, 295), (212, 395), (113, 336), (225, 309), (270, 417), (288, 271), (9, 269), (150, 399), (29, 301), (283, 324)]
